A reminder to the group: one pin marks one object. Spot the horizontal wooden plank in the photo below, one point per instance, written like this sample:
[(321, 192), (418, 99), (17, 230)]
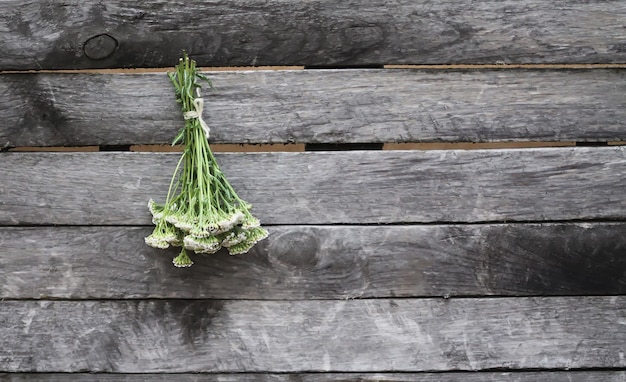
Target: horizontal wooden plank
[(352, 336), (116, 33), (529, 376), (321, 262), (328, 187), (319, 106)]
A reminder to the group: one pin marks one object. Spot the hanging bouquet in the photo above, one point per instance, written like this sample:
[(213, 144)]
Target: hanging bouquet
[(202, 212)]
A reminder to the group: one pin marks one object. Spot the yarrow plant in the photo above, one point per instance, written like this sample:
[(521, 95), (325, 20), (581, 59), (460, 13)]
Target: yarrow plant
[(202, 211)]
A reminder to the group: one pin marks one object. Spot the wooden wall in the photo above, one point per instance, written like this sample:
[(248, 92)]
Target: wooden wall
[(507, 263)]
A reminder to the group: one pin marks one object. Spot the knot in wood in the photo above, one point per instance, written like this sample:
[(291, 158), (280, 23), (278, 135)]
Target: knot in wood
[(100, 46), (294, 249)]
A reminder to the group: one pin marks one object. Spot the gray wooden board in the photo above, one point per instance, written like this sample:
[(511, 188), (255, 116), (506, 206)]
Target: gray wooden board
[(472, 376), (118, 33), (319, 106), (321, 262), (278, 336), (328, 187)]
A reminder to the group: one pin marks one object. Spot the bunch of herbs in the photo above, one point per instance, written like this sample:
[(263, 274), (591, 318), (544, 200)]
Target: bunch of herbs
[(202, 211)]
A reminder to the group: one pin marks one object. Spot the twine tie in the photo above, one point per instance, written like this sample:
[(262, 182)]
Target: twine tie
[(198, 105)]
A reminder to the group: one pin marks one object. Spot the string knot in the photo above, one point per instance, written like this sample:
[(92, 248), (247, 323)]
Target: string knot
[(198, 105)]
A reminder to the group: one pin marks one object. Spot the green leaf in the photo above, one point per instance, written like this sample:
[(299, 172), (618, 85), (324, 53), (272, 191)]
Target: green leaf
[(179, 137)]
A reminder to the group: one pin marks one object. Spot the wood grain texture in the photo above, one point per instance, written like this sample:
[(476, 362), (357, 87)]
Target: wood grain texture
[(529, 376), (321, 262), (355, 187), (118, 33), (319, 106), (276, 336)]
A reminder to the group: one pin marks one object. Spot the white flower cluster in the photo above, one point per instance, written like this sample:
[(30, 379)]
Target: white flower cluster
[(238, 232)]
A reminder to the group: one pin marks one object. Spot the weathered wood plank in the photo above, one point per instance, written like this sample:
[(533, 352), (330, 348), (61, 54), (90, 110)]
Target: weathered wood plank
[(330, 106), (328, 187), (321, 262), (528, 376), (353, 336), (117, 33)]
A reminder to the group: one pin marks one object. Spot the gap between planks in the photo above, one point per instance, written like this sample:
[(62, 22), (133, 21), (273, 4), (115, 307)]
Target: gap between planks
[(488, 375), (497, 65), (300, 147), (446, 297)]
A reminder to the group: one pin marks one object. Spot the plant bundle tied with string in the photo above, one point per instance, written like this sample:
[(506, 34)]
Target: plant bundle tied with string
[(202, 211)]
